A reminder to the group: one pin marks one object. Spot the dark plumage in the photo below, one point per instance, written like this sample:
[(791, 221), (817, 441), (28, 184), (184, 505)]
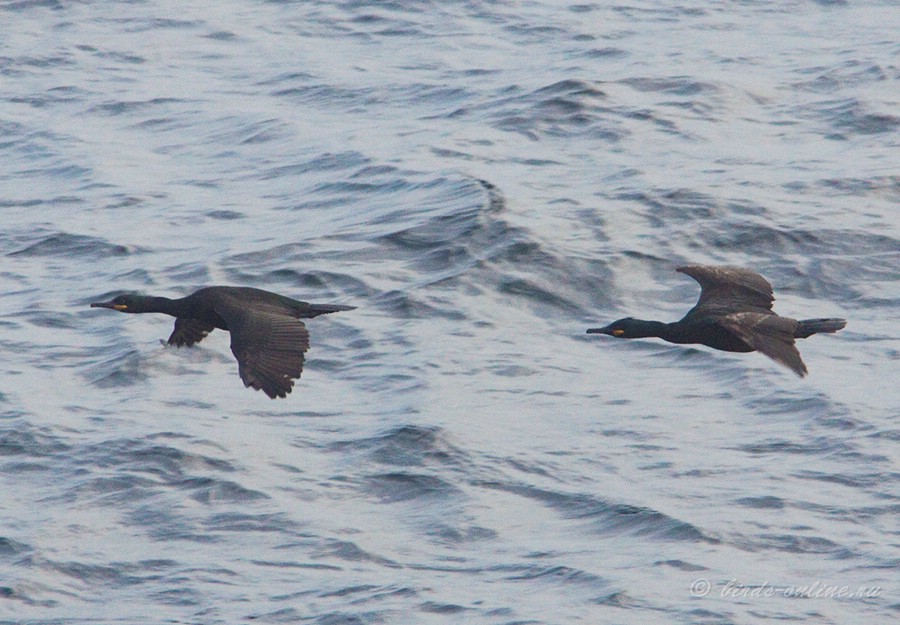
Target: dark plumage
[(267, 337), (734, 314)]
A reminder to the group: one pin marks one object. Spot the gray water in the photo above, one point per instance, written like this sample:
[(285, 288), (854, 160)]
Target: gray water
[(483, 181)]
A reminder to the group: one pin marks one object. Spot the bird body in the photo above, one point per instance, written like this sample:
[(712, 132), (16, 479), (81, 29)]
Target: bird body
[(734, 314), (267, 337)]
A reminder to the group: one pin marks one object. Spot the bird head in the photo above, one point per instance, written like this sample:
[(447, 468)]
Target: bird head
[(627, 328), (129, 302)]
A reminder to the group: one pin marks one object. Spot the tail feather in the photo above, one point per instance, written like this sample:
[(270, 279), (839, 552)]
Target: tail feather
[(808, 327)]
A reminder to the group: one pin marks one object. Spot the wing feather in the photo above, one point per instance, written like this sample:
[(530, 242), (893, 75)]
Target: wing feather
[(269, 346), (189, 331), (730, 289), (770, 334)]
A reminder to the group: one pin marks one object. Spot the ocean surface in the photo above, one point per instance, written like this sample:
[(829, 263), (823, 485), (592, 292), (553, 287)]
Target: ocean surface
[(484, 181)]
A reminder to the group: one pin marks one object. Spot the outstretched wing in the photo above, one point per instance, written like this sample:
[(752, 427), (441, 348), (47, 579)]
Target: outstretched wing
[(730, 289), (270, 347), (189, 331), (770, 334)]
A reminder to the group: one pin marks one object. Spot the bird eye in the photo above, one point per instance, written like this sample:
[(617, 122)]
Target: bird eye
[(618, 332)]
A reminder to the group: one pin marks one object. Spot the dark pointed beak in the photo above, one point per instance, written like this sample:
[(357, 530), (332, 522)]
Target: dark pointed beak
[(109, 305), (604, 330)]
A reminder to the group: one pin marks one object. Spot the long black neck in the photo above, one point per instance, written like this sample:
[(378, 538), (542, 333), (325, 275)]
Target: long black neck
[(642, 328), (152, 304)]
